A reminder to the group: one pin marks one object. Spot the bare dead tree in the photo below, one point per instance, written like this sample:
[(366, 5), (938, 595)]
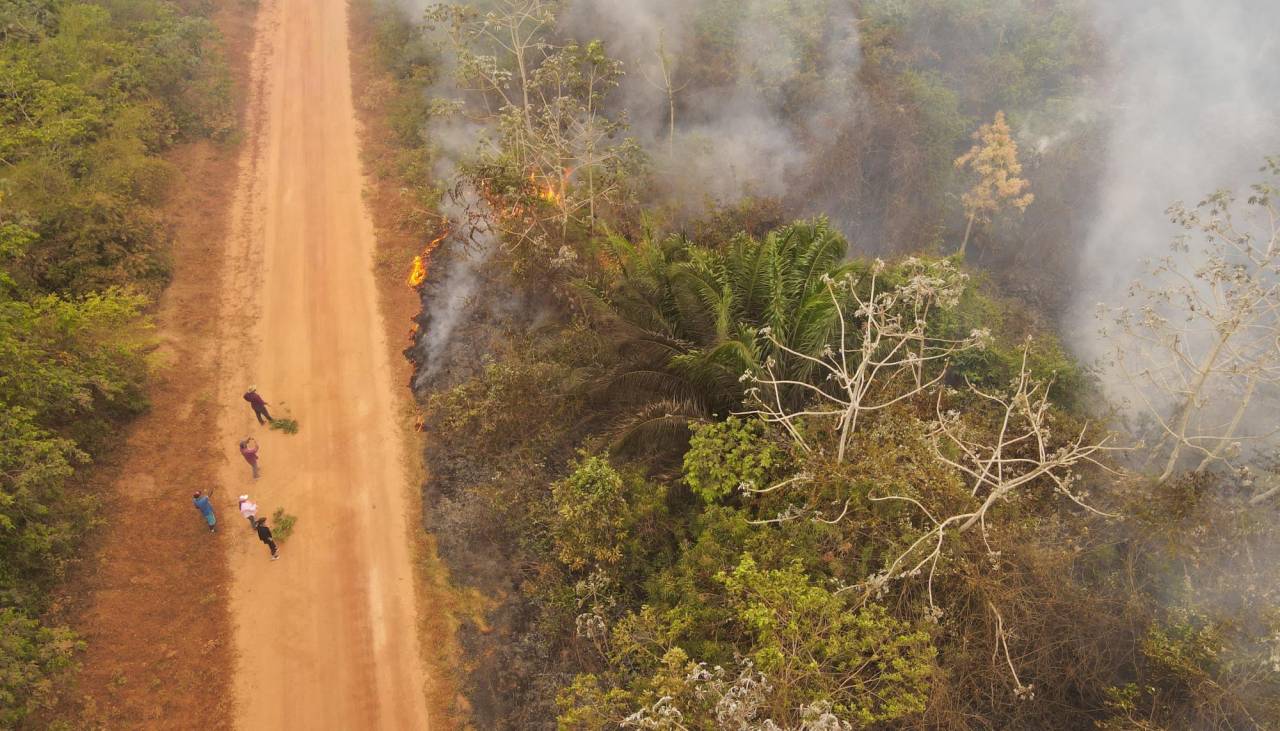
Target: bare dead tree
[(881, 357), (1266, 495), (1263, 477), (1019, 457), (1200, 351), (1022, 455), (668, 87), (498, 51)]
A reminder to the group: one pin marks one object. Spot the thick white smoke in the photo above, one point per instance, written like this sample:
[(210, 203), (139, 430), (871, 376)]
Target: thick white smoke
[(737, 137), (454, 139), (1190, 100), (1193, 106)]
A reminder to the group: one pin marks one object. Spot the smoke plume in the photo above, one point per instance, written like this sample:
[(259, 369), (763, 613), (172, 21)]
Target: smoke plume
[(735, 132), (1193, 106)]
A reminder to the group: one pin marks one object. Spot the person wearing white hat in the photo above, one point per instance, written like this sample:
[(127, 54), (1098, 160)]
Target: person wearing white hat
[(249, 510)]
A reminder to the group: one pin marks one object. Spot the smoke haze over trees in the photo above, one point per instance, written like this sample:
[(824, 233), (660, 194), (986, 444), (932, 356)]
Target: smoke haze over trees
[(785, 365), (1189, 102), (1134, 106)]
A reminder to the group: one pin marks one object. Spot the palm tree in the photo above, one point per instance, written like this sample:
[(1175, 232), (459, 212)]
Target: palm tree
[(690, 320)]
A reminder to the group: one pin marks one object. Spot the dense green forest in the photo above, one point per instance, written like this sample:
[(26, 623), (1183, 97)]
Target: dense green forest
[(784, 459), (91, 95)]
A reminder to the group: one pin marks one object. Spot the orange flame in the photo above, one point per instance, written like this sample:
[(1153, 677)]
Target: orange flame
[(548, 191), (418, 272), (435, 242)]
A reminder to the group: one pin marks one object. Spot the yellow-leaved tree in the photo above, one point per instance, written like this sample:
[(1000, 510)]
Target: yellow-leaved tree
[(993, 161)]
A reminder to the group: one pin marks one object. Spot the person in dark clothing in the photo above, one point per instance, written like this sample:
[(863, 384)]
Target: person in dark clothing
[(264, 535), (259, 406)]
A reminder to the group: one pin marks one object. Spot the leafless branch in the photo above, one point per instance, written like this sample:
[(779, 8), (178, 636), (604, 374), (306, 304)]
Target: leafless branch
[(1200, 351)]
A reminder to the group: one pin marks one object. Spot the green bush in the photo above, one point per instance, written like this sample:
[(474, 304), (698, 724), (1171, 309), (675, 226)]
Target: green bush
[(93, 92), (282, 525), (31, 654), (724, 456), (591, 514)]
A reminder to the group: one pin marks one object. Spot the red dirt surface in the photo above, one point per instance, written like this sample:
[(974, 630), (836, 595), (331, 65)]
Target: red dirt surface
[(274, 282), (326, 637), (398, 220), (150, 596)]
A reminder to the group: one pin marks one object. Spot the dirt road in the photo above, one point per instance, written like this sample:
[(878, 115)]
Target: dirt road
[(326, 636)]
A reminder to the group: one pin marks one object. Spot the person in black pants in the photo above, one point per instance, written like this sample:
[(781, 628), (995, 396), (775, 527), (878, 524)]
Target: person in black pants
[(264, 535), (259, 406)]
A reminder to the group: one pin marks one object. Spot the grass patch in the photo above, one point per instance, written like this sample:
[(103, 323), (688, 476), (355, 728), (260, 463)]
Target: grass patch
[(288, 426), (282, 525)]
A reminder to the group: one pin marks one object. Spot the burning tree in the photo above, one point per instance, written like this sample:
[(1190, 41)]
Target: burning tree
[(556, 157), (1201, 349), (993, 160)]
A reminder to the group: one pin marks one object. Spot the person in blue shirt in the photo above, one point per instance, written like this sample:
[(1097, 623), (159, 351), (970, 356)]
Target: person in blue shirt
[(201, 501)]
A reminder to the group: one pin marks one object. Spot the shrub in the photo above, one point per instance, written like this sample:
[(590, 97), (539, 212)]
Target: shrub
[(282, 525), (591, 514), (724, 456)]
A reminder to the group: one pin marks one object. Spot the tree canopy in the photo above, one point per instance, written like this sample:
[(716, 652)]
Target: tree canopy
[(91, 95)]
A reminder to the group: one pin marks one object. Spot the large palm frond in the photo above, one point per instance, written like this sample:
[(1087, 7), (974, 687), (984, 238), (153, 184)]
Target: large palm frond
[(690, 318), (658, 427)]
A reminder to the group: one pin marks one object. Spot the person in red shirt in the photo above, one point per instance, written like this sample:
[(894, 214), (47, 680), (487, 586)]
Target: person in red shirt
[(259, 406), (249, 450)]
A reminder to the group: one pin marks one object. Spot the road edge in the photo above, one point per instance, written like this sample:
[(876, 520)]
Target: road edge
[(396, 245)]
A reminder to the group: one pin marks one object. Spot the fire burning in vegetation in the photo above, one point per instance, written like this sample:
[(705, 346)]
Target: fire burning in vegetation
[(418, 272), (548, 191)]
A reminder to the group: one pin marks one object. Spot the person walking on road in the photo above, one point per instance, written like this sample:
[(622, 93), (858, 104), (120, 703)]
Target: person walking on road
[(249, 510), (249, 450), (201, 501), (259, 406), (264, 535)]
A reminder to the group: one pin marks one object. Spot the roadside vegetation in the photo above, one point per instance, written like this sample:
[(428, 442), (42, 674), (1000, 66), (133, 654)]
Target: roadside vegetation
[(718, 466), (91, 95)]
